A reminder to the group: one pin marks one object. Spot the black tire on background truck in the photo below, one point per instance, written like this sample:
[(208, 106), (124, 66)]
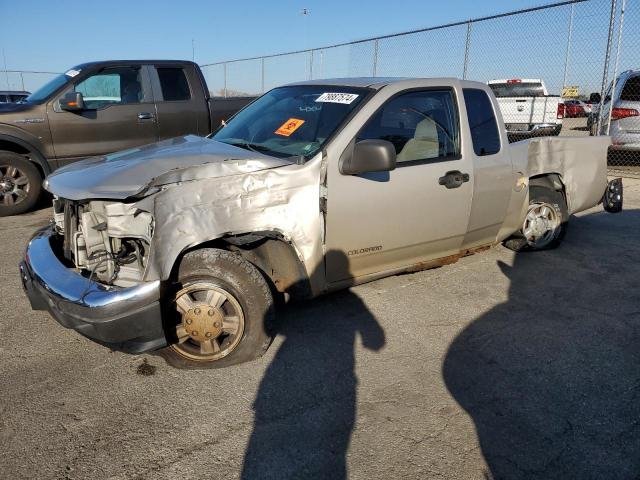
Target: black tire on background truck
[(546, 222), (20, 184), (224, 311)]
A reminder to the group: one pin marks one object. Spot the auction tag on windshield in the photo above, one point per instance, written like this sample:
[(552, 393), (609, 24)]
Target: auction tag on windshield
[(288, 127), (334, 97), (72, 73)]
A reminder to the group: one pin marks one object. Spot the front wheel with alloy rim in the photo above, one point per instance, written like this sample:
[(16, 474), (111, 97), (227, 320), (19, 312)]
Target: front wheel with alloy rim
[(545, 223), (223, 310), (20, 184)]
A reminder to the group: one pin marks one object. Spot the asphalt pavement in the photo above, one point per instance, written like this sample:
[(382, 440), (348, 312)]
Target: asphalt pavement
[(498, 366)]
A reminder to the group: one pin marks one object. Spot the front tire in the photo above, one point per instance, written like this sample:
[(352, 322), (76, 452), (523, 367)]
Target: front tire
[(223, 312), (20, 184), (545, 224)]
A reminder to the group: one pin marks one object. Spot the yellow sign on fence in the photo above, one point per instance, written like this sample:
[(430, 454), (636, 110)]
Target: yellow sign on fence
[(570, 91)]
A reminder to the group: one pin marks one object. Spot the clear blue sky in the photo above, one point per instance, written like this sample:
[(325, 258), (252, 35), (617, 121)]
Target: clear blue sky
[(62, 33), (525, 46)]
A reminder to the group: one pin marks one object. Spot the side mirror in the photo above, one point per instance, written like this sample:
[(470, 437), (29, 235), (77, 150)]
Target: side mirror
[(595, 98), (72, 102), (369, 156)]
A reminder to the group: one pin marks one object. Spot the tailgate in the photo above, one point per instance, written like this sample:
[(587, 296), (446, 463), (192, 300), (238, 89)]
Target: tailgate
[(529, 110)]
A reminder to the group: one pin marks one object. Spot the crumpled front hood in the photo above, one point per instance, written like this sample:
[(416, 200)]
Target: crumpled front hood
[(123, 174)]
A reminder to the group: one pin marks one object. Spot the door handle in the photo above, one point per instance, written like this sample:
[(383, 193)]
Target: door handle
[(145, 116), (453, 179)]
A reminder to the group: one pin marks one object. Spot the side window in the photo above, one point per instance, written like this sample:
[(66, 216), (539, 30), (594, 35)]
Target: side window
[(482, 122), (173, 83), (607, 96), (111, 86), (422, 125), (631, 90)]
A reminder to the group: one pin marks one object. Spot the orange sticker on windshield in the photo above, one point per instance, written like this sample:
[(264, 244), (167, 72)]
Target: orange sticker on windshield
[(288, 127)]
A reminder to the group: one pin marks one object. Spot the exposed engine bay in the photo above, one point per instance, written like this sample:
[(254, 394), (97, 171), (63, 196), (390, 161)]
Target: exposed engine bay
[(107, 240)]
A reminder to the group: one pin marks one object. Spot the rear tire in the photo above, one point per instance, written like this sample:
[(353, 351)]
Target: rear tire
[(20, 184), (223, 312), (546, 223)]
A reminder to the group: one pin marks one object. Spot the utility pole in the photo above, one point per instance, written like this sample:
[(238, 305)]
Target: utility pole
[(607, 57), (305, 12), (617, 64), (193, 50), (6, 73), (467, 45), (568, 52)]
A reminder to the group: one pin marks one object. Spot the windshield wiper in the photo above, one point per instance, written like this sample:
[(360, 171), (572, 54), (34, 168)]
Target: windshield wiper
[(254, 147)]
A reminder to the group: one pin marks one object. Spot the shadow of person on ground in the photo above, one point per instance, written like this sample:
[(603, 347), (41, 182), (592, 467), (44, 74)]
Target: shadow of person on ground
[(305, 408), (551, 377)]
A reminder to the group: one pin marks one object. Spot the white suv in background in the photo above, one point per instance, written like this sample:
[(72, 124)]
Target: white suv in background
[(625, 114)]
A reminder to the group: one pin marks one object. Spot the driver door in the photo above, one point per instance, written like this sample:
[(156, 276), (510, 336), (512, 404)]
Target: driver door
[(120, 114), (390, 220)]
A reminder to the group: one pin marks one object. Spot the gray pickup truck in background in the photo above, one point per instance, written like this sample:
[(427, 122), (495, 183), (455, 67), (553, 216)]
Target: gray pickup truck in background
[(98, 108), (182, 246)]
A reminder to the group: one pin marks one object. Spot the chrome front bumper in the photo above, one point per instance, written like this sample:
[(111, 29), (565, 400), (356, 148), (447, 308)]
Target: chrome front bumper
[(126, 319)]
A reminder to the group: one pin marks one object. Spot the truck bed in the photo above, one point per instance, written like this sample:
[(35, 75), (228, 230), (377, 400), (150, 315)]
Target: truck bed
[(223, 108)]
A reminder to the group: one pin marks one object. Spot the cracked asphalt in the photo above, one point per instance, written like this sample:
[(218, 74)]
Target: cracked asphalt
[(499, 366)]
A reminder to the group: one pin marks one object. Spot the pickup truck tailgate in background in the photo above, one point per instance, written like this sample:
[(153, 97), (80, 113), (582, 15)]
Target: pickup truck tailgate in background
[(521, 112)]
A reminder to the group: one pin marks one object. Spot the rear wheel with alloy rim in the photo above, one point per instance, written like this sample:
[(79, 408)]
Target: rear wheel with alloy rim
[(223, 308), (20, 184), (545, 223)]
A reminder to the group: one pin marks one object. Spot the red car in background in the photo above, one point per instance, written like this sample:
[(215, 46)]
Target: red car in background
[(576, 108)]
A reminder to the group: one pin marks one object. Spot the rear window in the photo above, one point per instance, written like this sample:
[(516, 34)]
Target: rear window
[(173, 83), (517, 89), (631, 90), (482, 122)]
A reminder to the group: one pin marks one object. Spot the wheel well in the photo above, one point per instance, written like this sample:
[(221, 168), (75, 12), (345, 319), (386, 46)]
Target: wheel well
[(13, 147), (273, 255), (549, 180), (32, 155)]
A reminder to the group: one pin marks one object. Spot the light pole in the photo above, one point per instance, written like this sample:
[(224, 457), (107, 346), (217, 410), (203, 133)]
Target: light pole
[(6, 73), (617, 64), (305, 12), (607, 57), (566, 57)]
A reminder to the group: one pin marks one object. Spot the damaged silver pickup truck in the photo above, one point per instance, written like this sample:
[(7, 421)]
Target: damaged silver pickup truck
[(182, 246)]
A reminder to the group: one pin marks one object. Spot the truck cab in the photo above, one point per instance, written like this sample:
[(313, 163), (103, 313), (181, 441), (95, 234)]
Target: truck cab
[(99, 108)]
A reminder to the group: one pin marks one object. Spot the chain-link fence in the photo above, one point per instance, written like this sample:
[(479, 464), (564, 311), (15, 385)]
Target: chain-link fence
[(23, 81), (573, 48)]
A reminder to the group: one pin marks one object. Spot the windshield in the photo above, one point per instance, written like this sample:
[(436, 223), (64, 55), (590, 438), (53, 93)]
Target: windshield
[(292, 121), (43, 93), (517, 89)]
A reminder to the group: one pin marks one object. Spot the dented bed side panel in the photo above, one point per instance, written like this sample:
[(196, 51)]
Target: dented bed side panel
[(580, 162), (284, 200)]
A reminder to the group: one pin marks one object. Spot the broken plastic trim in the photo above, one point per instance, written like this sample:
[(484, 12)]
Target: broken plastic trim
[(613, 196)]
